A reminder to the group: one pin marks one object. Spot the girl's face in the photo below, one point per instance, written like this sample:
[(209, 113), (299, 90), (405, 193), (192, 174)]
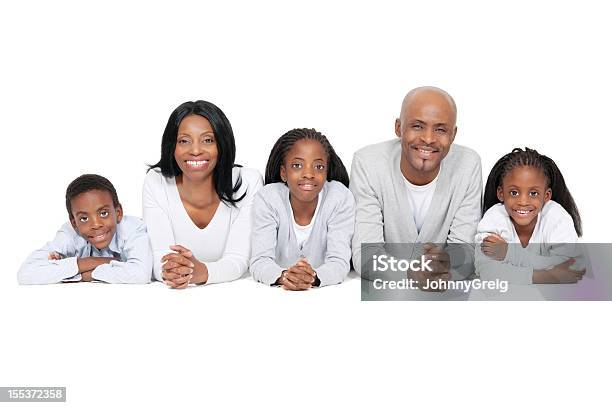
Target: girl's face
[(196, 147), (524, 191), (304, 169)]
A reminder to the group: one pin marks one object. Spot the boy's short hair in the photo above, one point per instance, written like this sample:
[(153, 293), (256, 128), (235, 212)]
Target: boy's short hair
[(88, 182)]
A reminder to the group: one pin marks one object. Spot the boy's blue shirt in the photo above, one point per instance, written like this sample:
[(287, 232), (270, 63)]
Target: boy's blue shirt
[(130, 245)]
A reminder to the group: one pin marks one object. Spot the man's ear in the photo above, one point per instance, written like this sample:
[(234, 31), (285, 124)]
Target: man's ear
[(500, 194), (547, 195), (454, 134), (119, 210), (283, 174), (73, 223), (398, 127)]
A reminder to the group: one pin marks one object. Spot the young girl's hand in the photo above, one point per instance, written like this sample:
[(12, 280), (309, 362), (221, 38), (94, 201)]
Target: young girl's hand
[(562, 273), (300, 276), (494, 247)]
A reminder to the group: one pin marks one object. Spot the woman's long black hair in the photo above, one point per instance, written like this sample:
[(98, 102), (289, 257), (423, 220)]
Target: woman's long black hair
[(335, 167), (530, 157), (222, 174)]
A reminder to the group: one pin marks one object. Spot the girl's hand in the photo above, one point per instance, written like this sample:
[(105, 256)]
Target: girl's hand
[(494, 247), (300, 276), (562, 273), (304, 265)]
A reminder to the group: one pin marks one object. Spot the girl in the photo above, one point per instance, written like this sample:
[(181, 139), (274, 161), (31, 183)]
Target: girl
[(528, 205), (197, 202), (304, 216)]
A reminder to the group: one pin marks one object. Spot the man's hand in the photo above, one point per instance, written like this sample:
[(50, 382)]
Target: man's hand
[(440, 269)]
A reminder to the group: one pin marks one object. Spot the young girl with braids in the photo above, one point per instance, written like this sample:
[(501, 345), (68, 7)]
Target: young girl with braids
[(527, 205), (304, 215)]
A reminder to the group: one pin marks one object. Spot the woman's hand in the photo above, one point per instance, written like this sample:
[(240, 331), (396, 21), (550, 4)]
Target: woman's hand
[(180, 268), (494, 247)]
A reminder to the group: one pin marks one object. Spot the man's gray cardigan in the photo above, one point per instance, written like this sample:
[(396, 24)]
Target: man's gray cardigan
[(384, 214)]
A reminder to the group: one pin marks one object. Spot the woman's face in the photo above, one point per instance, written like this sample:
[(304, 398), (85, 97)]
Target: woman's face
[(196, 148)]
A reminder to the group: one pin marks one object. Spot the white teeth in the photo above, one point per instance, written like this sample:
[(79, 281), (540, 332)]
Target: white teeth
[(196, 162), (523, 212)]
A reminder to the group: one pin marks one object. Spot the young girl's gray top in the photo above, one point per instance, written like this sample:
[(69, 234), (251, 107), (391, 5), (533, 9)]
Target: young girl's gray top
[(384, 214), (327, 249)]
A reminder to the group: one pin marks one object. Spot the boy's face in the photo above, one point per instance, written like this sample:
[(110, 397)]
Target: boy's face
[(95, 217)]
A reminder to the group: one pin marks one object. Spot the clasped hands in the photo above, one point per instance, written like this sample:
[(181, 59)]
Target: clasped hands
[(495, 247), (439, 265), (300, 276), (85, 265), (180, 268)]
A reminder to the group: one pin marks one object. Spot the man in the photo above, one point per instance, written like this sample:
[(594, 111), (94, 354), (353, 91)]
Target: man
[(419, 188)]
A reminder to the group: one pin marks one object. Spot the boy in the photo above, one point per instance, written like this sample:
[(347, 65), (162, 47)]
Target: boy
[(98, 244)]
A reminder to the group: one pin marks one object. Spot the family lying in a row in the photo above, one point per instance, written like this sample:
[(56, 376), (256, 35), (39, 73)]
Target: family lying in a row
[(208, 220)]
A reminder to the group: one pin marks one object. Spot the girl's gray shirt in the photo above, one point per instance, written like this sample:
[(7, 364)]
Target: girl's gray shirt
[(327, 249)]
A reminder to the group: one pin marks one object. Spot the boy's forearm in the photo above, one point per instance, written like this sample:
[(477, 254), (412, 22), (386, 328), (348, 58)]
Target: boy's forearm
[(90, 263)]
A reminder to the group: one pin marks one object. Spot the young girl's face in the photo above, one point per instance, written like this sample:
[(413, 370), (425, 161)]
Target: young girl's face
[(304, 169), (523, 192)]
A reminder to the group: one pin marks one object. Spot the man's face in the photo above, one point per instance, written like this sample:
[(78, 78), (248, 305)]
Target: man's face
[(427, 129)]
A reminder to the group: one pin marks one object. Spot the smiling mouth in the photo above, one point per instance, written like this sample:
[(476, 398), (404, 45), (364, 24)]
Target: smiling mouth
[(307, 186), (197, 164), (425, 152), (98, 238), (522, 213)]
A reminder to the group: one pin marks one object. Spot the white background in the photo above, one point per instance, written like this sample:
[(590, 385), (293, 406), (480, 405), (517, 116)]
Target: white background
[(89, 88)]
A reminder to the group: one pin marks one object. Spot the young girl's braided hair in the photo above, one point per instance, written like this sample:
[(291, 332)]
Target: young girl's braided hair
[(335, 167), (530, 157)]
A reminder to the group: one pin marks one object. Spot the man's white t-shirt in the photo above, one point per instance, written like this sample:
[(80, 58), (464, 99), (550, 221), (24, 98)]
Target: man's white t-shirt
[(420, 199)]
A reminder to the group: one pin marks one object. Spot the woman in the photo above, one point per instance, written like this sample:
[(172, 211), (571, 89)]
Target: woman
[(197, 202)]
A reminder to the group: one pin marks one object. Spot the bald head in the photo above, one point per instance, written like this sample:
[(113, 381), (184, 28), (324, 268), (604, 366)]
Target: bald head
[(427, 128), (429, 95)]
